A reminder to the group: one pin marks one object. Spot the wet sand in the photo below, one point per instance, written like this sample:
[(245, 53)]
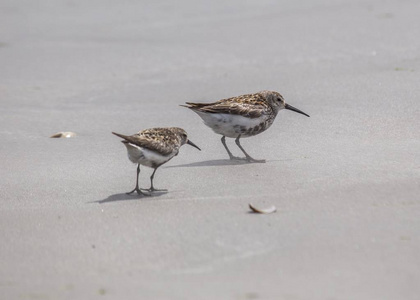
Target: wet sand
[(346, 182)]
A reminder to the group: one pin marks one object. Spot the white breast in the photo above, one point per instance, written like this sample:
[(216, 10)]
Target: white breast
[(230, 125), (147, 157)]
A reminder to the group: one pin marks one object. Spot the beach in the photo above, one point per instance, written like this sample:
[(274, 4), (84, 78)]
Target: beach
[(345, 182)]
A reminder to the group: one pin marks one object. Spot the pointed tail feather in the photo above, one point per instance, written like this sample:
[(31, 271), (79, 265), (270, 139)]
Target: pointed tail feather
[(193, 105), (121, 135), (198, 104)]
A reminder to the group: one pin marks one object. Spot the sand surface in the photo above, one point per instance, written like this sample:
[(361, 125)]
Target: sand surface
[(346, 182)]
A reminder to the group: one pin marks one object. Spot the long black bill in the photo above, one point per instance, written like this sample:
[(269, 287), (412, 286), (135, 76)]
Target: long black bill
[(192, 144), (288, 106)]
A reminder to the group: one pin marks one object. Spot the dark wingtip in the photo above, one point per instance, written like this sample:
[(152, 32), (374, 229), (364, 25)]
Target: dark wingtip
[(189, 105), (119, 135)]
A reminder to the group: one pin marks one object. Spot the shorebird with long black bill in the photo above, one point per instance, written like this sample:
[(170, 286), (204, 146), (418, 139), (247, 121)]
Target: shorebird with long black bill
[(242, 116), (152, 148)]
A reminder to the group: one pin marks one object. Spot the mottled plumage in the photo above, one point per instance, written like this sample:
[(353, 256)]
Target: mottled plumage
[(154, 147), (250, 106), (161, 140), (242, 116)]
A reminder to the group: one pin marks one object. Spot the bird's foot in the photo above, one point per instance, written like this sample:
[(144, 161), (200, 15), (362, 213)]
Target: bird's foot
[(237, 158), (252, 160), (152, 189), (247, 159), (138, 192)]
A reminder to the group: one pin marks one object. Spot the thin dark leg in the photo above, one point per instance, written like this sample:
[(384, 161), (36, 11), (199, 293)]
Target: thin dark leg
[(152, 189), (136, 189), (248, 158), (227, 149)]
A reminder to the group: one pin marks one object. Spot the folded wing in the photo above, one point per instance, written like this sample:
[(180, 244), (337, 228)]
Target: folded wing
[(157, 139), (251, 106)]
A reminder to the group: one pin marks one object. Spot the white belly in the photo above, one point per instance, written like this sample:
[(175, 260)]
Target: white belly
[(147, 157), (231, 125)]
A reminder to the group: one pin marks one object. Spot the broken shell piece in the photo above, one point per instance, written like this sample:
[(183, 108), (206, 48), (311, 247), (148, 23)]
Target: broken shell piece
[(63, 134), (268, 210)]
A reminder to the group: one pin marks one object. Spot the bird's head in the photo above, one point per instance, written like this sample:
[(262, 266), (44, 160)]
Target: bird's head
[(277, 102), (182, 136)]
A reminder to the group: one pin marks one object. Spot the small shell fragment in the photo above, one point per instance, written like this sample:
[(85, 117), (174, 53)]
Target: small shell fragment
[(63, 134), (268, 210)]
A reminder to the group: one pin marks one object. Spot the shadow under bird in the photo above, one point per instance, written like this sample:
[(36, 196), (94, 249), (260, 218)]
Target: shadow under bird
[(152, 148), (242, 116)]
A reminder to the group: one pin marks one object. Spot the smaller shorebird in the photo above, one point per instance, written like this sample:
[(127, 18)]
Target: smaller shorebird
[(152, 148), (242, 116)]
